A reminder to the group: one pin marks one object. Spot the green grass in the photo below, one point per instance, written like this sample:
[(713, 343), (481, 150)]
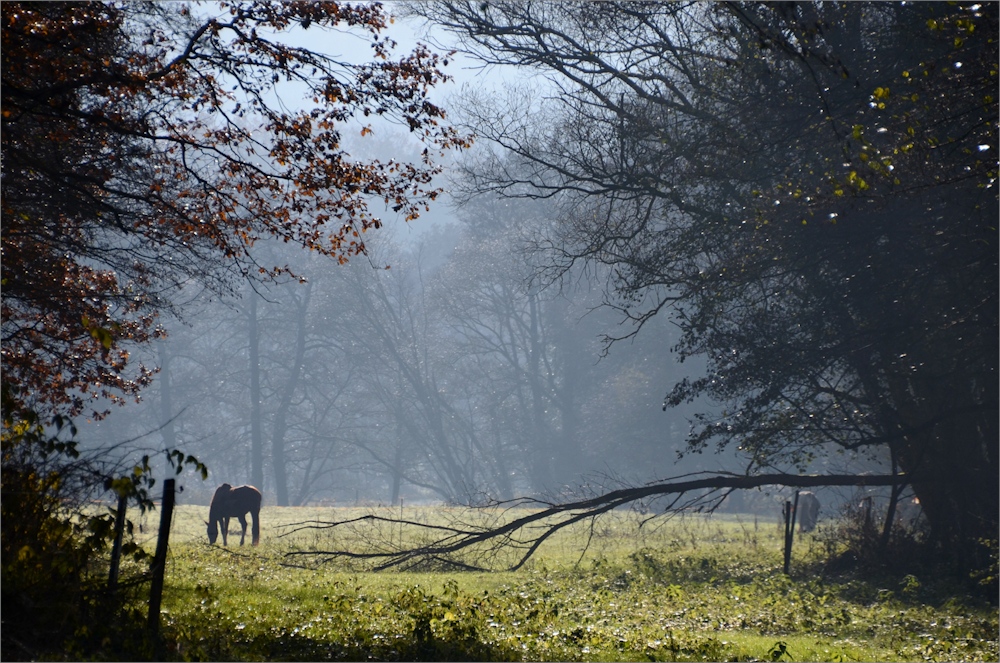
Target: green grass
[(692, 588)]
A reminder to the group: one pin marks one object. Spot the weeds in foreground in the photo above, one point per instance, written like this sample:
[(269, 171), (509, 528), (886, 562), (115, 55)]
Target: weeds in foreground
[(657, 596), (719, 600)]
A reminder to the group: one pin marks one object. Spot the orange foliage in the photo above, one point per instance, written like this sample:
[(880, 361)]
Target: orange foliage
[(143, 148)]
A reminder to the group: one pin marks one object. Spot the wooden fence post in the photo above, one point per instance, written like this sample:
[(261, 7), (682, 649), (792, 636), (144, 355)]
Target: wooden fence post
[(160, 559), (116, 548), (791, 513)]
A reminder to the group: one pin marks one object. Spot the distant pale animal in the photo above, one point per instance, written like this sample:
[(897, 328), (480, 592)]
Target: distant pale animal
[(229, 502), (808, 511)]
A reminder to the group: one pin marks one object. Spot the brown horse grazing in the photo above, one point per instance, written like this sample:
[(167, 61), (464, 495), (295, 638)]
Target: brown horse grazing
[(229, 502)]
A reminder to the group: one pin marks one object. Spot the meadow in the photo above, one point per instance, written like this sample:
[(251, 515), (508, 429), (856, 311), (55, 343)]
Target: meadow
[(687, 588)]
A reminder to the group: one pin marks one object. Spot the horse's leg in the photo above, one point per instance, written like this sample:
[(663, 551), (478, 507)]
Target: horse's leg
[(256, 525), (225, 531), (243, 522)]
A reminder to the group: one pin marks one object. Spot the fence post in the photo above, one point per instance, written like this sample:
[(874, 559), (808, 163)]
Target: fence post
[(160, 559), (791, 513), (116, 548)]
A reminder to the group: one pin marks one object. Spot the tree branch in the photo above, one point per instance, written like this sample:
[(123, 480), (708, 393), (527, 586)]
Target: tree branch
[(515, 534)]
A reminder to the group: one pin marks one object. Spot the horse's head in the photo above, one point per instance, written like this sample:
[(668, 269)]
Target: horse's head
[(213, 531)]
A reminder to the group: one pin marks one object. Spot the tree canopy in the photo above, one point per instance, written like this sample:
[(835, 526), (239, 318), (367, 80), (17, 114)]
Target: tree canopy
[(808, 190), (148, 147)]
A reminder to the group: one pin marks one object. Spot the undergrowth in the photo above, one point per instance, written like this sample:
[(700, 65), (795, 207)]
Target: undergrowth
[(711, 595), (692, 589)]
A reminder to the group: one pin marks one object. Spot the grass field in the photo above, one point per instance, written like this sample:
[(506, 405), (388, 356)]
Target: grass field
[(692, 588)]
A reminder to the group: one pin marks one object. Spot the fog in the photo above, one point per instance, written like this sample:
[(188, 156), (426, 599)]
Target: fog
[(455, 362), (450, 376)]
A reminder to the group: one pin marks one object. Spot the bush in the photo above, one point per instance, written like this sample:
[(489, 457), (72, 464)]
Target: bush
[(54, 570), (854, 543)]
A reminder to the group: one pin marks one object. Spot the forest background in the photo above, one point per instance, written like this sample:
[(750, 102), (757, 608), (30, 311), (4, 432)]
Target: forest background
[(775, 222)]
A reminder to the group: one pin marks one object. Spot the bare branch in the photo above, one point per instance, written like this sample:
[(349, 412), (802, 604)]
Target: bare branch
[(527, 533)]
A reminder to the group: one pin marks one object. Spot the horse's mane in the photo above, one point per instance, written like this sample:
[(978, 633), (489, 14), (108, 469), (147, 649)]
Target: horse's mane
[(221, 493)]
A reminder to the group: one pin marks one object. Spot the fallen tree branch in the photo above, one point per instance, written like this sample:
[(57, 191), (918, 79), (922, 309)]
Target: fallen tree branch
[(523, 533)]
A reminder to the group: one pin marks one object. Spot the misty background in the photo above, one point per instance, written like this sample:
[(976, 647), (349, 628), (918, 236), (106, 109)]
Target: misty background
[(451, 364)]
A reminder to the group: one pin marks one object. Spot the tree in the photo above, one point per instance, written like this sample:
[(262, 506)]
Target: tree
[(505, 348), (401, 344), (558, 412), (828, 247), (147, 149), (144, 149)]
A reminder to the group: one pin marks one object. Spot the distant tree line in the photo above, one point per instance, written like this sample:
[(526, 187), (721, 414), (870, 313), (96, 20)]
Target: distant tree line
[(450, 376)]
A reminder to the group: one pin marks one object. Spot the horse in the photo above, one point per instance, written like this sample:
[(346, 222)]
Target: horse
[(808, 511), (229, 502)]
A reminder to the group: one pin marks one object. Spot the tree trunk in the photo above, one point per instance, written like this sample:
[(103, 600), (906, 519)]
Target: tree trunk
[(952, 455), (397, 465), (256, 435), (166, 399), (280, 427), (540, 450), (569, 455)]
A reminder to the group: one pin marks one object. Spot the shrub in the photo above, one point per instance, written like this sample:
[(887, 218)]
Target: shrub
[(53, 570)]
